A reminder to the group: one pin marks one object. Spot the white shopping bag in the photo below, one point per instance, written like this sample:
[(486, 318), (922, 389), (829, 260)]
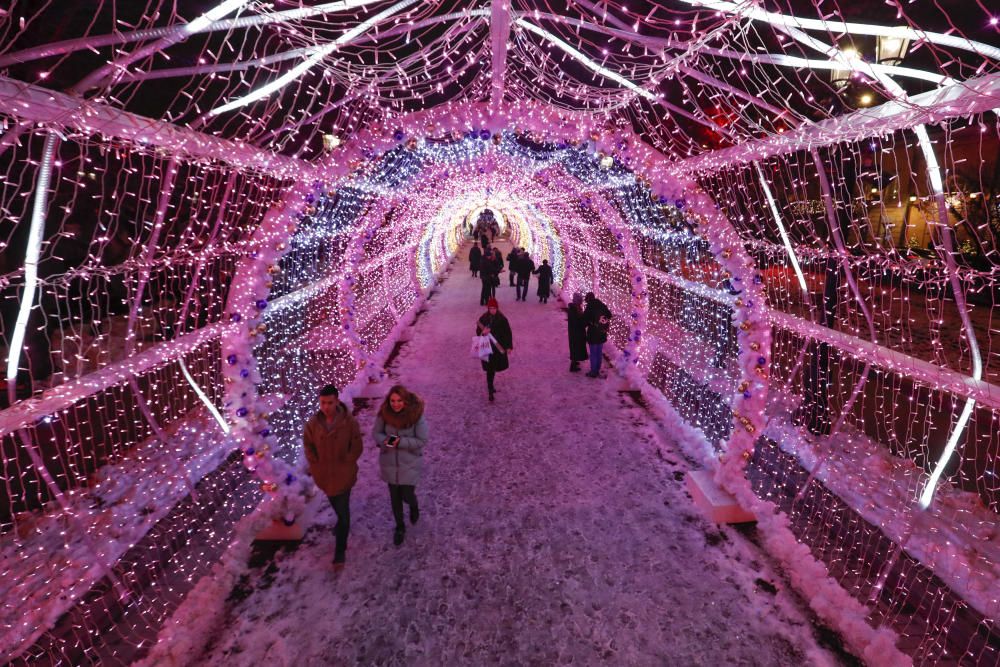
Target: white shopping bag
[(481, 347)]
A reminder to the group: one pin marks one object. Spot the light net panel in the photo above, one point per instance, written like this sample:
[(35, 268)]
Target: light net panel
[(863, 415)]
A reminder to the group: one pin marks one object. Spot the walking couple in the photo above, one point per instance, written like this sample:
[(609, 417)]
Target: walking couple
[(332, 443), (588, 332)]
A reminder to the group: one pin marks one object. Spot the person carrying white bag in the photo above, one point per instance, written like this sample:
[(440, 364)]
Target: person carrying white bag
[(494, 325)]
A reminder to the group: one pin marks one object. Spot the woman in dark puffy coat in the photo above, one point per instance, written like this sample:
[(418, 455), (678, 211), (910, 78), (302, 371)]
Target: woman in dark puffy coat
[(577, 333), (400, 431), (494, 323), (544, 273), (475, 258)]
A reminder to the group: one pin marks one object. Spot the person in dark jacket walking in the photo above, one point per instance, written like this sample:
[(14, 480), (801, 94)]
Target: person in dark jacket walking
[(513, 257), (598, 318), (332, 442), (493, 322), (544, 273), (525, 267), (577, 333), (489, 273), (475, 258), (400, 432)]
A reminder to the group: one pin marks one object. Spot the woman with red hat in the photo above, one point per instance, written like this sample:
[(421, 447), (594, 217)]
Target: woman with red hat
[(493, 323)]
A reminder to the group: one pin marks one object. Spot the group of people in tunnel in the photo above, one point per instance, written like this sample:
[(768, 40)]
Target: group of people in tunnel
[(333, 445), (486, 263), (332, 438)]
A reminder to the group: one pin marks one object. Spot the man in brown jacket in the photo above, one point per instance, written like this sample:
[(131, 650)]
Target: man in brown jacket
[(332, 441)]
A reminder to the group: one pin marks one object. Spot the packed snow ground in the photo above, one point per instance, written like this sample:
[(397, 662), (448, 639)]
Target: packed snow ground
[(554, 529)]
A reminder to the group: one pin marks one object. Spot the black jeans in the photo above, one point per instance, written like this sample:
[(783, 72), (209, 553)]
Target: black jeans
[(341, 505), (489, 290), (399, 494), (489, 380), (522, 287)]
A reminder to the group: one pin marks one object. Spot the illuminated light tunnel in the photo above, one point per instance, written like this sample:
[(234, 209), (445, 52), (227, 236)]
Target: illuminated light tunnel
[(239, 202)]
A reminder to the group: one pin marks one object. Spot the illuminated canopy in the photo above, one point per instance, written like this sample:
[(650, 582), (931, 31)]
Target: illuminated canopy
[(204, 200)]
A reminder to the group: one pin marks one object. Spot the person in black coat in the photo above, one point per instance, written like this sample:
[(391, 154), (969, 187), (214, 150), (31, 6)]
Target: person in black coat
[(475, 257), (512, 259), (577, 333), (598, 318), (489, 273), (525, 267), (494, 323), (544, 273)]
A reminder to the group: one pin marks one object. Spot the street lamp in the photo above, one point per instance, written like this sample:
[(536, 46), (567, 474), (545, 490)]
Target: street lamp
[(841, 78), (891, 50)]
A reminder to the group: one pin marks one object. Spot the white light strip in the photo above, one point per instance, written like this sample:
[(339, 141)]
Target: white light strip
[(781, 230), (204, 398), (934, 172), (606, 73), (794, 61), (927, 495), (839, 27), (31, 255), (309, 63), (213, 15)]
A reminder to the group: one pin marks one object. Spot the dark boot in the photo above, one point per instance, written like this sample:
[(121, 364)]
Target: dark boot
[(574, 367), (339, 558), (397, 537), (414, 512)]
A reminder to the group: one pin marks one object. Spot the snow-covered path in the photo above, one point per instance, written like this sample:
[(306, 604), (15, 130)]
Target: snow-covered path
[(554, 529)]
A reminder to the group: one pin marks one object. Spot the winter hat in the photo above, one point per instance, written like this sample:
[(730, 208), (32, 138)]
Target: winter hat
[(492, 303), (577, 299)]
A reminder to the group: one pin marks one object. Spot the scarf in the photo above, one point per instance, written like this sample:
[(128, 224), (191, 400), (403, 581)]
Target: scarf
[(405, 418)]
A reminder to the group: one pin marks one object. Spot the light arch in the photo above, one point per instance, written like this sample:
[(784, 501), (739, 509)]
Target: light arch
[(477, 125)]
